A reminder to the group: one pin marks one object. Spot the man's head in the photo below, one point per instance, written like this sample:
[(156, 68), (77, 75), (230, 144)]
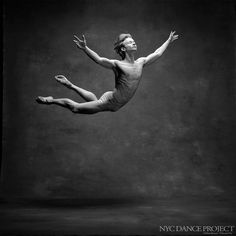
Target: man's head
[(124, 43)]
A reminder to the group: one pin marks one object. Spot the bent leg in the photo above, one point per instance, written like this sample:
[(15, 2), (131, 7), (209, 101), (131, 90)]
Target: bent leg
[(81, 108), (86, 95), (88, 107)]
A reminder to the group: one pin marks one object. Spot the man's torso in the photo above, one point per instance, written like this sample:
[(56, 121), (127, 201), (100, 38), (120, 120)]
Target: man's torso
[(127, 78)]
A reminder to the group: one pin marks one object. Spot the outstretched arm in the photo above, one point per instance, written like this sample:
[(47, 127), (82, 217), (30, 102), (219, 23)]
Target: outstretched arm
[(81, 44), (153, 56)]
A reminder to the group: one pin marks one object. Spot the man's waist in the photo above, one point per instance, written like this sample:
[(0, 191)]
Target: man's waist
[(122, 95)]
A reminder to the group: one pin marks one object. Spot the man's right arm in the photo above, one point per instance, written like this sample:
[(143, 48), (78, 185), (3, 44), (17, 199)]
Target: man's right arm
[(102, 61)]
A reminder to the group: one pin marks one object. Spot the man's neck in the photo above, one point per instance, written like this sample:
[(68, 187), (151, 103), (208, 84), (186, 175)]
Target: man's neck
[(129, 57)]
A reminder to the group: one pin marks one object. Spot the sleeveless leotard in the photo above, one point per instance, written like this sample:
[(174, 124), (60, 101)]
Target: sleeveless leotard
[(124, 91)]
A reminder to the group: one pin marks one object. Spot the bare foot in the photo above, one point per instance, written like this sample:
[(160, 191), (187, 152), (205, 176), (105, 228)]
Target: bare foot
[(44, 100), (63, 80)]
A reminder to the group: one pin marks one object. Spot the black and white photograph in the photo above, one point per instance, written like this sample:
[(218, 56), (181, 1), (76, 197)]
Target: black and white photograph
[(118, 118)]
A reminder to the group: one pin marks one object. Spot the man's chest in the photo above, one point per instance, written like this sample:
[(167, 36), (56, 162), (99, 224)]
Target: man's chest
[(131, 70)]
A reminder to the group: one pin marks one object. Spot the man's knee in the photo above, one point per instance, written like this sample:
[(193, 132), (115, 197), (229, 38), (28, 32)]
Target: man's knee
[(73, 106), (74, 110), (92, 96), (81, 110)]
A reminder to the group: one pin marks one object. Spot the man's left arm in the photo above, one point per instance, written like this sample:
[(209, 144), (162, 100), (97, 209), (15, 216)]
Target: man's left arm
[(155, 55)]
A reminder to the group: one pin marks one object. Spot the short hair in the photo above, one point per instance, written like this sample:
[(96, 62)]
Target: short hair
[(119, 44)]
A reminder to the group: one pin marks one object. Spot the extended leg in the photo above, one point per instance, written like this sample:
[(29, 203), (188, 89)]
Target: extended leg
[(86, 95), (82, 108)]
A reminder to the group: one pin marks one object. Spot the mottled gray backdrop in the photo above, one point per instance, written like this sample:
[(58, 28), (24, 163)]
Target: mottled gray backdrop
[(176, 137)]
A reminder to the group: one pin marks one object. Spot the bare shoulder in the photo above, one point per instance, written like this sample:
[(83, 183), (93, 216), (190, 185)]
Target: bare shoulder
[(115, 62), (141, 60)]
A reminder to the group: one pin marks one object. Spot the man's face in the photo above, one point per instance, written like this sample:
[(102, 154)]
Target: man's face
[(130, 44)]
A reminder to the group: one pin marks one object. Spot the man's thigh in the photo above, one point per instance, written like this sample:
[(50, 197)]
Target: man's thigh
[(89, 107)]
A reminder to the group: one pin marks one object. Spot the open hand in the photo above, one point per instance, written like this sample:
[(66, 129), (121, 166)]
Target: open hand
[(81, 43), (172, 36)]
